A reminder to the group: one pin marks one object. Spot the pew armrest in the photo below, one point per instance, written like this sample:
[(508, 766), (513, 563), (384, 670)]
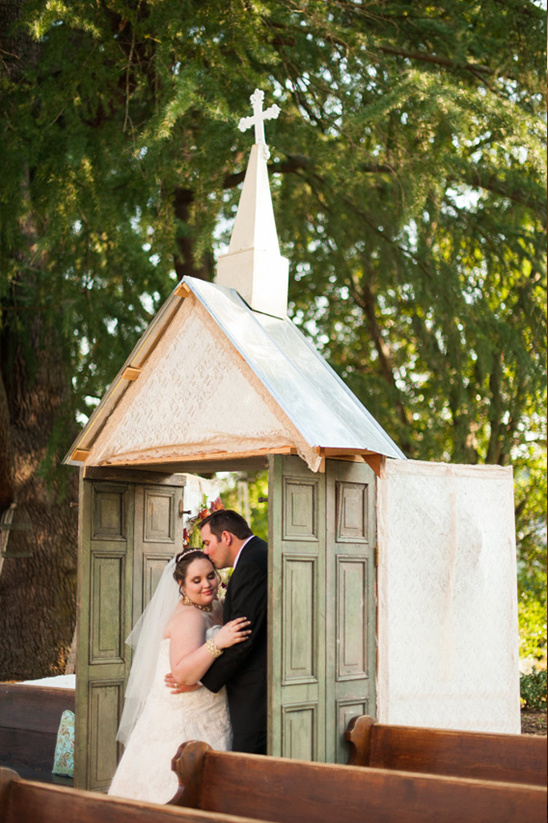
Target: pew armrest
[(188, 765), (358, 736), (7, 778)]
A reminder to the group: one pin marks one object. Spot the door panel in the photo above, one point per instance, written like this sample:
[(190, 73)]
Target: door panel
[(158, 537), (158, 515), (322, 535), (300, 731), (109, 515), (351, 510), (299, 647), (300, 509), (351, 613), (105, 702), (351, 618), (127, 533), (296, 649), (107, 619)]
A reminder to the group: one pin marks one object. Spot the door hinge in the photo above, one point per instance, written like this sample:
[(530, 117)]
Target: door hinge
[(182, 510)]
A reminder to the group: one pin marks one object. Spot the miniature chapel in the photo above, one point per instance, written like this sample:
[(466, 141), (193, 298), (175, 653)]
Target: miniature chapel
[(392, 582)]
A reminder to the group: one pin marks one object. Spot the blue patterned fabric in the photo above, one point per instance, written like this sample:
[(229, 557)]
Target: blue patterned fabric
[(63, 761)]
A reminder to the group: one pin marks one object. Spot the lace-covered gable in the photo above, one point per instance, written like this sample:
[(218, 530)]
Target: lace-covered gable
[(195, 392)]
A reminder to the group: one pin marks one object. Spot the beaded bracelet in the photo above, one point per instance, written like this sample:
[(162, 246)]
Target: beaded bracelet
[(213, 648)]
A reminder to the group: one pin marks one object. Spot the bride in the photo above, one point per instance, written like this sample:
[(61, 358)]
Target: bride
[(183, 636)]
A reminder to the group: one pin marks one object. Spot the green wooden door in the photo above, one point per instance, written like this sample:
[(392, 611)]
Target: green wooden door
[(130, 525), (322, 651), (351, 608)]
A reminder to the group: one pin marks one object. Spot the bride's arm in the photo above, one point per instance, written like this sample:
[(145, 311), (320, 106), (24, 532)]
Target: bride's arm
[(189, 654)]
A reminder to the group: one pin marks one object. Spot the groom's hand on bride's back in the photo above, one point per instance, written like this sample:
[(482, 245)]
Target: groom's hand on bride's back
[(177, 688)]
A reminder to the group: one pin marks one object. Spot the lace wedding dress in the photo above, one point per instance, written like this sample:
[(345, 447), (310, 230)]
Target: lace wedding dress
[(144, 772)]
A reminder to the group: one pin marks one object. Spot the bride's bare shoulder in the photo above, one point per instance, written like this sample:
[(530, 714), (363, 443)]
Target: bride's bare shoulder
[(184, 617)]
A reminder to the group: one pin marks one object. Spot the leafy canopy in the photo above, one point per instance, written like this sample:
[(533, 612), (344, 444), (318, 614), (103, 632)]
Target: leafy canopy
[(408, 175)]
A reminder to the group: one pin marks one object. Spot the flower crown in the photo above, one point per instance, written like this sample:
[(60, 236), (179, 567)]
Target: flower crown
[(191, 533)]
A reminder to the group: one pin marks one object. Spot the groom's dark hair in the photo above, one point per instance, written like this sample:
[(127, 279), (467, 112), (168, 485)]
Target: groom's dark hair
[(227, 520)]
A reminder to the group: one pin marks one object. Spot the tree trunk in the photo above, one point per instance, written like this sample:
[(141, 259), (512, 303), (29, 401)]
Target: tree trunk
[(37, 593)]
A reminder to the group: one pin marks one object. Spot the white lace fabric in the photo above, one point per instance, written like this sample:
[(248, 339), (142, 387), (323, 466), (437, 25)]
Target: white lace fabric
[(179, 404), (448, 652), (144, 772)]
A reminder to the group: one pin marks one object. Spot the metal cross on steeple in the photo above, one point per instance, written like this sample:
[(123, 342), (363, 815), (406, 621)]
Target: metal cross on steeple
[(259, 116)]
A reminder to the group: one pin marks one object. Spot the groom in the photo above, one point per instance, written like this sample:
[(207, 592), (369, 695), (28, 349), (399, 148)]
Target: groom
[(229, 542)]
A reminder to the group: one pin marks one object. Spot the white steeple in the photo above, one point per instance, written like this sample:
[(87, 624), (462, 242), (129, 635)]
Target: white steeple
[(253, 265)]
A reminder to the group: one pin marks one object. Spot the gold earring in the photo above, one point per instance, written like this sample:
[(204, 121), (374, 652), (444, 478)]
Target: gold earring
[(186, 600)]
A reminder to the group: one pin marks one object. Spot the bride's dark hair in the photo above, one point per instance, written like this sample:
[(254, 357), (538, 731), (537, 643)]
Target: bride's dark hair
[(183, 561)]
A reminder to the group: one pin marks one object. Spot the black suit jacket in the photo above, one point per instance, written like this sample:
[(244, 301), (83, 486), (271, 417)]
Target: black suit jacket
[(242, 668)]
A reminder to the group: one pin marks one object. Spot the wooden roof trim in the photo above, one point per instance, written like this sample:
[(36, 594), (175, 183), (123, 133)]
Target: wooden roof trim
[(329, 451), (373, 459), (80, 455), (130, 373), (203, 456), (182, 290)]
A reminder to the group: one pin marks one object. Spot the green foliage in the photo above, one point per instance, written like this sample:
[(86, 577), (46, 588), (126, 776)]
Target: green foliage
[(258, 500), (258, 504), (408, 174), (430, 306), (532, 621), (533, 690), (229, 495), (531, 497)]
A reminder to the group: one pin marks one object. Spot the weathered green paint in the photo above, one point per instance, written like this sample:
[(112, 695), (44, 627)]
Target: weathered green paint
[(296, 609), (128, 530), (322, 651), (351, 605)]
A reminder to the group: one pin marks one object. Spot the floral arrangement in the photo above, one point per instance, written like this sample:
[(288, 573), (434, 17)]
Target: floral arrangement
[(191, 533)]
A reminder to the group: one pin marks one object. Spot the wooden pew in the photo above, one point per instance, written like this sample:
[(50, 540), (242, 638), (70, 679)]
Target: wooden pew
[(27, 801), (295, 791), (226, 787), (512, 758), (29, 722)]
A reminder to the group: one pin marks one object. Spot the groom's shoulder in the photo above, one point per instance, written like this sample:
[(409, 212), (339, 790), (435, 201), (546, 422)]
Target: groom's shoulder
[(257, 545), (255, 552)]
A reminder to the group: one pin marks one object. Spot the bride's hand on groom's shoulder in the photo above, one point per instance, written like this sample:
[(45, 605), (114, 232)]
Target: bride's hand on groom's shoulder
[(177, 688)]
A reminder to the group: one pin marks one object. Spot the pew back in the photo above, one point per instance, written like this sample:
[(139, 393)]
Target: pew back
[(32, 802), (293, 791), (511, 758), (29, 722)]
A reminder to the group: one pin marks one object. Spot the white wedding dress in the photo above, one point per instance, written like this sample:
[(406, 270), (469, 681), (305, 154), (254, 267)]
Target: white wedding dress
[(167, 720)]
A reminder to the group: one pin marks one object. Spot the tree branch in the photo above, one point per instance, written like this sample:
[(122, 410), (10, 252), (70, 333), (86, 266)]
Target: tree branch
[(474, 68), (184, 262), (482, 180), (366, 299), (474, 177)]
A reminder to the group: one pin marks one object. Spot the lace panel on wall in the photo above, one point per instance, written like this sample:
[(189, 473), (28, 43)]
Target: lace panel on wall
[(448, 631)]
